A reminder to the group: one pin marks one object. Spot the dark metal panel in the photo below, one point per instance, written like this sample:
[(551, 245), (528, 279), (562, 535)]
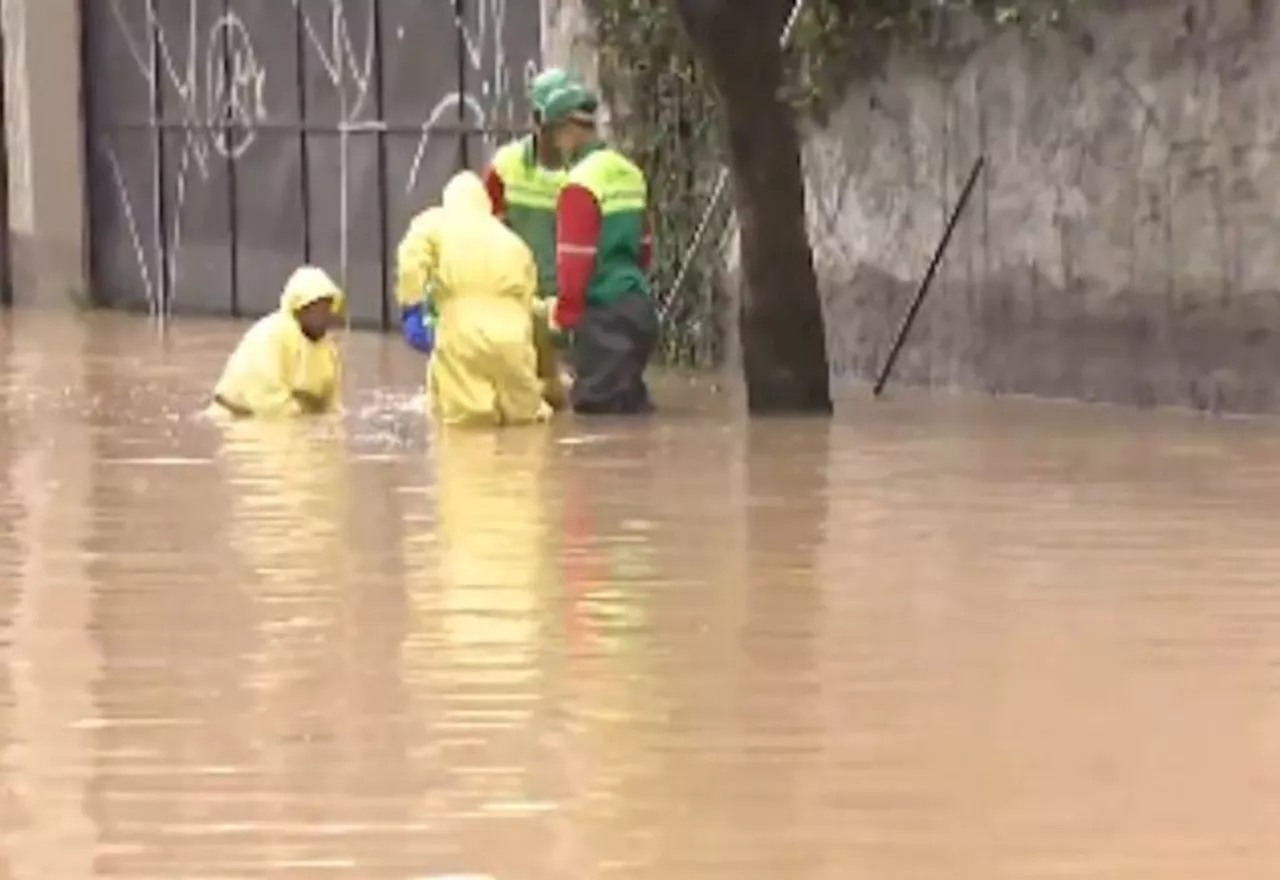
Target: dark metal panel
[(119, 71), (6, 246), (259, 40), (502, 41), (117, 63), (501, 44), (304, 162), (198, 234), (384, 233), (339, 60), (189, 39), (341, 121), (264, 100), (344, 224), (124, 235), (270, 222), (419, 62)]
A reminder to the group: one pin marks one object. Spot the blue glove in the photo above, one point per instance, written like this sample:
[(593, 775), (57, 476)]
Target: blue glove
[(418, 328)]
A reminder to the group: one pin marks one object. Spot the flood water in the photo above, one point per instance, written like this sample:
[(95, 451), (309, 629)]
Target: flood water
[(936, 639)]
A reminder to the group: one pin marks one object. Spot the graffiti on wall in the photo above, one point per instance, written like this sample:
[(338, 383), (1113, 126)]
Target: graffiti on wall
[(231, 140)]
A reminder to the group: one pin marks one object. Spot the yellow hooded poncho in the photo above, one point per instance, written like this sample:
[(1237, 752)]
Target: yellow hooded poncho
[(275, 360), (482, 280)]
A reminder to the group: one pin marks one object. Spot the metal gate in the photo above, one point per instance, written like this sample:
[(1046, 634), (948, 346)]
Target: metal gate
[(231, 140), (6, 251)]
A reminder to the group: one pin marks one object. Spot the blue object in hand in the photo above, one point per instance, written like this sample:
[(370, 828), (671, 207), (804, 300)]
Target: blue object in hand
[(418, 328)]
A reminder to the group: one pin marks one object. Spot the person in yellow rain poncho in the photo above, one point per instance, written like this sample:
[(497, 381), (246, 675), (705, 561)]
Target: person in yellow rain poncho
[(288, 364), (481, 280)]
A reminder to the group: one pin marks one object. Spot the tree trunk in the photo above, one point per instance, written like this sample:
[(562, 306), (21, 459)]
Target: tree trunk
[(783, 340)]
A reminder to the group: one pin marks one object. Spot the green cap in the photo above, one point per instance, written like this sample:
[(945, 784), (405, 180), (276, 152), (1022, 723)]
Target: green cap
[(573, 100), (545, 83)]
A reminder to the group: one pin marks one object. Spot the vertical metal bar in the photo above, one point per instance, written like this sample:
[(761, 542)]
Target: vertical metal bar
[(85, 102), (6, 249), (344, 150), (304, 147), (158, 177), (226, 126), (464, 139), (384, 203)]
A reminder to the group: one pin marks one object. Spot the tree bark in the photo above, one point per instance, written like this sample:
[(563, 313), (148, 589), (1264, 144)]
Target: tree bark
[(783, 339)]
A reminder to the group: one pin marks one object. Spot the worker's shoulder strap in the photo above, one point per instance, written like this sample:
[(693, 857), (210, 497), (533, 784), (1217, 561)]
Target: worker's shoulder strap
[(617, 183)]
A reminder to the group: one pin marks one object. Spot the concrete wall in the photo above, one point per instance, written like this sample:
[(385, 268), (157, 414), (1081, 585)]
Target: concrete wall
[(1125, 244), (44, 132)]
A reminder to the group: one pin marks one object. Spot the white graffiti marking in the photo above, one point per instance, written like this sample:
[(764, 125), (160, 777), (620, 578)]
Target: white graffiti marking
[(214, 85), (350, 73), (235, 85), (220, 106), (492, 103)]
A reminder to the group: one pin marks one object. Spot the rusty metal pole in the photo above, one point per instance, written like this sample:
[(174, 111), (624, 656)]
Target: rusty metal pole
[(909, 318)]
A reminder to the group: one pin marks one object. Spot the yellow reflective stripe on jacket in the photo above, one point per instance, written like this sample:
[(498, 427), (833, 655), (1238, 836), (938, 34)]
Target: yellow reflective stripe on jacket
[(524, 181), (619, 188), (518, 192), (618, 185)]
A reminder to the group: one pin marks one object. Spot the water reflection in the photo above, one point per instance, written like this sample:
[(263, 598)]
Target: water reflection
[(611, 676), (290, 485), (331, 715), (481, 600), (45, 826), (942, 637)]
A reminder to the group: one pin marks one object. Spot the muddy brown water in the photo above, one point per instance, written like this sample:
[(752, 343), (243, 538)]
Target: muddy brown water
[(939, 638)]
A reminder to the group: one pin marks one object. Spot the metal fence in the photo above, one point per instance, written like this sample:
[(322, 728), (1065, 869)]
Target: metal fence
[(6, 250), (231, 140)]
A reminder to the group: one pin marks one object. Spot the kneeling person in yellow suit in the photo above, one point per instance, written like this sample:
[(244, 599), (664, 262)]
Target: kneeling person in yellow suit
[(481, 279), (287, 364)]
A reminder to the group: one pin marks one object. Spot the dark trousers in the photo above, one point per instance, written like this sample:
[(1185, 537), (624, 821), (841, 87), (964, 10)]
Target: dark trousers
[(612, 345)]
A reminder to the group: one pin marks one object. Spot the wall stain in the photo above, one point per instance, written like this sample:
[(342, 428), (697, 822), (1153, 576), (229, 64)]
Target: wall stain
[(1123, 246)]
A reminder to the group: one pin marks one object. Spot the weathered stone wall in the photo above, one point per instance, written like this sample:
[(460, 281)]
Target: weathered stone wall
[(1124, 244)]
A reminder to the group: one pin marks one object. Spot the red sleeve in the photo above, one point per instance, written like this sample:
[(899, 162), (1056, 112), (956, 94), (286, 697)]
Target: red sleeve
[(577, 232), (497, 191), (646, 244)]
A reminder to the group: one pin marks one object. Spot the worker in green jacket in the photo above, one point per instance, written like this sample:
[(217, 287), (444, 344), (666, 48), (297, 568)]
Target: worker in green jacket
[(524, 179), (603, 250)]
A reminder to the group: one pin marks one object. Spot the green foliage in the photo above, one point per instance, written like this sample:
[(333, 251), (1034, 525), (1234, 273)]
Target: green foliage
[(663, 113), (835, 41)]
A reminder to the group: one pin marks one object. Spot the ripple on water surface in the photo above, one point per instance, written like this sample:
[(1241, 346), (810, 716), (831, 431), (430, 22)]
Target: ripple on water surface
[(939, 638)]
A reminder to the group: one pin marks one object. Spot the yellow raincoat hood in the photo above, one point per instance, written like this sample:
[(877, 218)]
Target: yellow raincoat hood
[(275, 361), (466, 192), (308, 284)]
